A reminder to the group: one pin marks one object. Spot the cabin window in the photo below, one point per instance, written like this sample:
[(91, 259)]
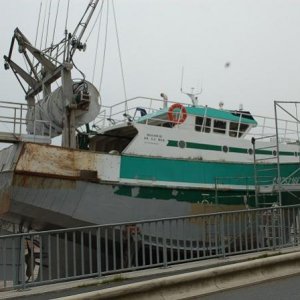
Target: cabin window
[(243, 128), (219, 126), (202, 124), (234, 128)]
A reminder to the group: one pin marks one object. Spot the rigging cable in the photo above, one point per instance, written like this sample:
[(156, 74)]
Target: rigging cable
[(296, 108), (37, 31), (48, 21), (55, 22), (67, 15), (120, 56), (97, 42), (105, 42), (38, 24), (99, 14), (43, 27)]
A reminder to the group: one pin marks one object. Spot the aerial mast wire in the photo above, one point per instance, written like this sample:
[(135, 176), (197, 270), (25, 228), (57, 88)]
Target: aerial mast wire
[(43, 27), (38, 25), (55, 23), (105, 42), (120, 56), (48, 22), (97, 42), (67, 15), (97, 18), (37, 32)]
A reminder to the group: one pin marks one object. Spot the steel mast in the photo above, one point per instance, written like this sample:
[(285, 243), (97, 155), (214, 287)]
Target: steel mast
[(50, 67)]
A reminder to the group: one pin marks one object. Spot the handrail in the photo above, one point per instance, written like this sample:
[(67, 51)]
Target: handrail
[(265, 126), (13, 120), (67, 254)]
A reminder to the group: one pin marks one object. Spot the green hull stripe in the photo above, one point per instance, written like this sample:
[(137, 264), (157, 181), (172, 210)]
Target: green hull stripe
[(199, 172), (202, 198), (172, 143)]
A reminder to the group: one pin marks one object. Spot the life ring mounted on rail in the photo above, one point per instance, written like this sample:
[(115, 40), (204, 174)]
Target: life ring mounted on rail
[(177, 113)]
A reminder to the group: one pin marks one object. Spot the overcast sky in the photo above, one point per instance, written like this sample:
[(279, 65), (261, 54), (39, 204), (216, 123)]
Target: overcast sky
[(260, 40)]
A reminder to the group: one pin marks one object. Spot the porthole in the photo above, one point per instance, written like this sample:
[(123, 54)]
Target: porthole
[(225, 149), (250, 151), (181, 144)]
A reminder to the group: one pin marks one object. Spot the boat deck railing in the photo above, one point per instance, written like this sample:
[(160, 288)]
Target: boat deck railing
[(132, 110), (14, 121), (37, 258), (288, 130)]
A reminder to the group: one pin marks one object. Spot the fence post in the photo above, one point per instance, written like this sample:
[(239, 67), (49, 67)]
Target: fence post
[(98, 252), (165, 256), (22, 261), (222, 235)]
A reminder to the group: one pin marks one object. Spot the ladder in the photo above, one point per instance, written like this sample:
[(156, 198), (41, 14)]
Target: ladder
[(266, 168)]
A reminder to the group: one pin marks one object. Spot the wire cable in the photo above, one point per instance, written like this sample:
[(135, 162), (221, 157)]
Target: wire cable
[(38, 25), (119, 49), (92, 28), (55, 22), (67, 15), (48, 22), (97, 42), (43, 27), (105, 43)]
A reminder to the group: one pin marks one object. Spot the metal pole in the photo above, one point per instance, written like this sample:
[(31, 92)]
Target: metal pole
[(255, 172), (278, 159)]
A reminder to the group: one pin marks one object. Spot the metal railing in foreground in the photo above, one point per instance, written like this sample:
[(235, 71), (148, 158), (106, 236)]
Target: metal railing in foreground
[(37, 258)]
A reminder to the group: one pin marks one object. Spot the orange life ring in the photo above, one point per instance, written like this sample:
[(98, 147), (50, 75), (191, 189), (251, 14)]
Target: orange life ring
[(177, 117)]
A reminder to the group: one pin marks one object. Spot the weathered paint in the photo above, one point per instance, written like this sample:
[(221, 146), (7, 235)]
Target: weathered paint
[(62, 162)]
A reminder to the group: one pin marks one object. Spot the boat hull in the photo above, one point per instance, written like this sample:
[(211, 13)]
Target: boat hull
[(46, 187)]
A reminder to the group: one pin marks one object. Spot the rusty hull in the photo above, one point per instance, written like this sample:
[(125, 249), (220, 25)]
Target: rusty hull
[(52, 161), (39, 184)]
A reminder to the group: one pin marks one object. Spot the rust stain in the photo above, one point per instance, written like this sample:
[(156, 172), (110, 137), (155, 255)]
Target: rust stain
[(4, 202), (57, 161), (207, 208), (37, 182)]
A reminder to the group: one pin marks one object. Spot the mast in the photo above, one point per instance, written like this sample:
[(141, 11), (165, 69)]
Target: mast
[(49, 68)]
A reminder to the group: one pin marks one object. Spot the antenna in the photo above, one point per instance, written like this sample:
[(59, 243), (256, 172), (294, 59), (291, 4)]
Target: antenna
[(192, 94)]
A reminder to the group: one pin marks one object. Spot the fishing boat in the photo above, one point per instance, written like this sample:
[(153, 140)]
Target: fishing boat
[(141, 159)]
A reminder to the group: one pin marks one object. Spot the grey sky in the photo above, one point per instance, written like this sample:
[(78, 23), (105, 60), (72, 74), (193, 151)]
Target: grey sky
[(260, 39)]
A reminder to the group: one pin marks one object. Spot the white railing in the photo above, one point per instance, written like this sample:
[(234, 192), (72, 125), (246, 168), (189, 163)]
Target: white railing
[(14, 122), (288, 131), (130, 110), (120, 112)]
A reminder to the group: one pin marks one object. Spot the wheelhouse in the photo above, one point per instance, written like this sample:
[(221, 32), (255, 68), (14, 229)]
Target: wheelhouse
[(205, 120)]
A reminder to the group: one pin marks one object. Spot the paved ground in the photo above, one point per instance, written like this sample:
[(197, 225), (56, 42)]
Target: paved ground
[(287, 288)]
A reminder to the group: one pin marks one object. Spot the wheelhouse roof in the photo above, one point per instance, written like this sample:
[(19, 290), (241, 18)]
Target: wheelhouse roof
[(233, 116)]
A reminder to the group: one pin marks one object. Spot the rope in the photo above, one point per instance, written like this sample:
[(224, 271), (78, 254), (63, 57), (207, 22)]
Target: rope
[(105, 42), (37, 31), (97, 42), (55, 22), (119, 49), (38, 25), (48, 22), (42, 36), (296, 107), (92, 28), (67, 15)]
